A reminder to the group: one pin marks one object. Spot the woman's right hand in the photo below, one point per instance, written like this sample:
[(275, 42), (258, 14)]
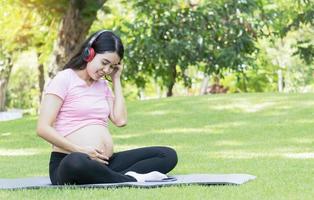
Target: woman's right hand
[(95, 154)]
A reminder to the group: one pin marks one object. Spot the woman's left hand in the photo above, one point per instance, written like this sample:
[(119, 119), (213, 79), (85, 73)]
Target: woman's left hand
[(117, 71)]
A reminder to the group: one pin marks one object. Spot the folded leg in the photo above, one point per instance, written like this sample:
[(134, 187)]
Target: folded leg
[(144, 160), (79, 168)]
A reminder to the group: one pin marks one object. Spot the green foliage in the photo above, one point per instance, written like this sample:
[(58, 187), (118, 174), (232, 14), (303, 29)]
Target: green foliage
[(165, 39), (216, 37), (305, 45), (45, 7), (28, 24), (169, 34), (295, 15), (16, 23), (23, 89)]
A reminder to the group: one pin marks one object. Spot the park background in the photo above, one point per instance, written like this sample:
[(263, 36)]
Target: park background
[(227, 83), (172, 48)]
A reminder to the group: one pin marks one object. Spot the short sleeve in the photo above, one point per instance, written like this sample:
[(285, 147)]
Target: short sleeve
[(58, 85)]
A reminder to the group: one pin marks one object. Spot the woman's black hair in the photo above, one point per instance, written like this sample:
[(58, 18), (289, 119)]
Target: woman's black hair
[(105, 42)]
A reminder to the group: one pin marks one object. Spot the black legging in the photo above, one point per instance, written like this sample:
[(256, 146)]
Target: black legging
[(78, 168)]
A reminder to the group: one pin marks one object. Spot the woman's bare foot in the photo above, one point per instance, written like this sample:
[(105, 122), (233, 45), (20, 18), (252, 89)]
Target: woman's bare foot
[(154, 175)]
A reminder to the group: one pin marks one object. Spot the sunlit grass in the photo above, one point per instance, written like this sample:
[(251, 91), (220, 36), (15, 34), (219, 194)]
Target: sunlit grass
[(19, 152), (266, 135)]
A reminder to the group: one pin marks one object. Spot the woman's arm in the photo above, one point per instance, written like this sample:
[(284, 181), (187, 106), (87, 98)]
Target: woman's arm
[(118, 112), (50, 107)]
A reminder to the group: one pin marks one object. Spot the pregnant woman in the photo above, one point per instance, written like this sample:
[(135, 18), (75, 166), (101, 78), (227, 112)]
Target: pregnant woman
[(74, 115)]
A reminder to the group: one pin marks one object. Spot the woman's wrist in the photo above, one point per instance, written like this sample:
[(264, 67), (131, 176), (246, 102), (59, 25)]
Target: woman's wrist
[(116, 82), (115, 79), (78, 148)]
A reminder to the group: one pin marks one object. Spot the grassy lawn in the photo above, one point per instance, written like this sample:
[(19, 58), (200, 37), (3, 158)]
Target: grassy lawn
[(266, 135)]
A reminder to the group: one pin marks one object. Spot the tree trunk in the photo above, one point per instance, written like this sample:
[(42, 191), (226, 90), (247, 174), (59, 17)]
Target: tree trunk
[(244, 78), (280, 80), (73, 30), (41, 80), (204, 85), (170, 87), (141, 93), (281, 60), (5, 72), (157, 89), (173, 76), (3, 88)]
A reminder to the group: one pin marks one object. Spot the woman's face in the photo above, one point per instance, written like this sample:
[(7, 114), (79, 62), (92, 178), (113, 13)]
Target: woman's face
[(102, 64)]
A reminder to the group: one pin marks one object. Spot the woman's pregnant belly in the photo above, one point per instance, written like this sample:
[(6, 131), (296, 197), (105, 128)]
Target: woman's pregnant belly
[(96, 136)]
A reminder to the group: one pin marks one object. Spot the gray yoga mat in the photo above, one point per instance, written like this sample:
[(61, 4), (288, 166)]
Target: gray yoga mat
[(200, 179)]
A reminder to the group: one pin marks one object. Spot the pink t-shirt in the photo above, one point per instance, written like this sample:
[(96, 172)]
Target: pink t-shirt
[(82, 104)]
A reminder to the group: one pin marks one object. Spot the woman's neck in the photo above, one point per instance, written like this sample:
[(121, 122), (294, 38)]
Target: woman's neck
[(84, 76)]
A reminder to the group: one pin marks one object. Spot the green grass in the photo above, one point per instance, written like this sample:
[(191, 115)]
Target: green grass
[(266, 135)]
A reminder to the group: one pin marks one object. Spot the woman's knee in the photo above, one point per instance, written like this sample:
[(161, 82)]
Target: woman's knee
[(74, 162), (170, 155)]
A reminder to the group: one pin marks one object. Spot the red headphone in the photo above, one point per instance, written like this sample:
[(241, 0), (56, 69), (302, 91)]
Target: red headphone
[(88, 51)]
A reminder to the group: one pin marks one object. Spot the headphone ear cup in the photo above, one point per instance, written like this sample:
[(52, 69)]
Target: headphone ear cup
[(85, 54), (88, 54)]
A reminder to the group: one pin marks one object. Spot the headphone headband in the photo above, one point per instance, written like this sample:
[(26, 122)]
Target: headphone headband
[(92, 40)]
